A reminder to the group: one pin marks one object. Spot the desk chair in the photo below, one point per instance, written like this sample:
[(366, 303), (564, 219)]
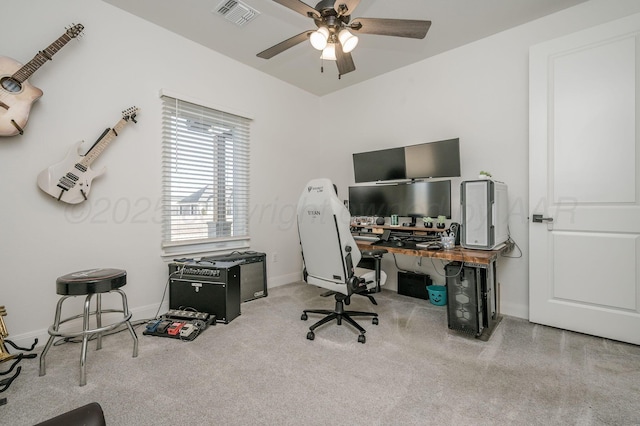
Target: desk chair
[(330, 254)]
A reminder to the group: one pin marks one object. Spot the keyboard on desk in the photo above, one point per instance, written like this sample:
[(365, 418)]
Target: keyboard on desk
[(366, 237), (396, 243)]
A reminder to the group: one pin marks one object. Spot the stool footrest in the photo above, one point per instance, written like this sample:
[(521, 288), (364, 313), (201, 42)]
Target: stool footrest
[(109, 327)]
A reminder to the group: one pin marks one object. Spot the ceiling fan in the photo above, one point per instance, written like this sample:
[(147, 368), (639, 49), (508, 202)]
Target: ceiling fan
[(333, 36)]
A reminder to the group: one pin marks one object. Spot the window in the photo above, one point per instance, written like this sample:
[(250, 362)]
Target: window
[(205, 178)]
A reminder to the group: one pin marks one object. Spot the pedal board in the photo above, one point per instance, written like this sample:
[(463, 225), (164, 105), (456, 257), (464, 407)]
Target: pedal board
[(187, 315), (178, 324)]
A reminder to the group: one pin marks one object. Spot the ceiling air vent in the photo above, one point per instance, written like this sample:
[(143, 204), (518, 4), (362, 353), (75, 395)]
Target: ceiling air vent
[(236, 12)]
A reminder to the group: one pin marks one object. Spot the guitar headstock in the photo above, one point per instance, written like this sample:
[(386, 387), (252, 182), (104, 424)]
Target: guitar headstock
[(130, 114), (75, 30)]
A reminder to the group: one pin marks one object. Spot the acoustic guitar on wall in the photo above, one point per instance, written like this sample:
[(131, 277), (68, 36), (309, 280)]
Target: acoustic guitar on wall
[(70, 179), (16, 93)]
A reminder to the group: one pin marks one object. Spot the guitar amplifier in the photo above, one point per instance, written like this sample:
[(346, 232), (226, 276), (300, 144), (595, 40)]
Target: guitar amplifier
[(253, 272), (206, 288)]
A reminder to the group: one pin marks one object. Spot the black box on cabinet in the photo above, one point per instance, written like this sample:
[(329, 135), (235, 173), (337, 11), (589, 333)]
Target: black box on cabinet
[(413, 284), (253, 272), (211, 289)]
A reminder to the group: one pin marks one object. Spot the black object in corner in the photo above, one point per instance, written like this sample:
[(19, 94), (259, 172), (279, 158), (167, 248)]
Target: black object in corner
[(413, 285)]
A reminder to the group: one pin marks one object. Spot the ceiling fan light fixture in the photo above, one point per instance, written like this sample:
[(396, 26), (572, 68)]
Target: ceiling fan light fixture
[(329, 52), (319, 38), (348, 41)]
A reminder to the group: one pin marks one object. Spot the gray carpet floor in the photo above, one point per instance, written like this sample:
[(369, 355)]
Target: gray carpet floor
[(261, 370)]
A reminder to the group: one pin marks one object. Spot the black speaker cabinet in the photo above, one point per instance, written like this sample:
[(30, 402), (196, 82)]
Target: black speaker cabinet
[(253, 272), (465, 306), (211, 289), (414, 285)]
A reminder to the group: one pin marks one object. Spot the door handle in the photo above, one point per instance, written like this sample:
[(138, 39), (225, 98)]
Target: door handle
[(537, 218)]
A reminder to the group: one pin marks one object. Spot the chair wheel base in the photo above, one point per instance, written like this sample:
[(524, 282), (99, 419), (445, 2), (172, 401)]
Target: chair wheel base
[(374, 321), (362, 339), (311, 335), (304, 317)]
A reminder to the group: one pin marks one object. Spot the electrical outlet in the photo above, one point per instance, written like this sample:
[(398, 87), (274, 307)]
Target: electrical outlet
[(274, 257)]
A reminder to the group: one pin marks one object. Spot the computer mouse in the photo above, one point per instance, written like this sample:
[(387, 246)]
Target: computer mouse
[(399, 243)]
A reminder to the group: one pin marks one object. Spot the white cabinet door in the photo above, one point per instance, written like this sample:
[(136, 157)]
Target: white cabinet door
[(584, 272)]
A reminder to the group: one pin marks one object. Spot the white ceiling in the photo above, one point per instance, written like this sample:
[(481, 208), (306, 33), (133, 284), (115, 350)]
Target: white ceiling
[(454, 23)]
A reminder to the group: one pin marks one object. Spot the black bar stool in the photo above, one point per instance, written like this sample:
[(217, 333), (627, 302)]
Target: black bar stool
[(87, 283)]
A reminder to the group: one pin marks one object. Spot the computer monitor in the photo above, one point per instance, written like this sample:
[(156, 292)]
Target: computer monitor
[(433, 159), (422, 199), (373, 200), (373, 166), (415, 199)]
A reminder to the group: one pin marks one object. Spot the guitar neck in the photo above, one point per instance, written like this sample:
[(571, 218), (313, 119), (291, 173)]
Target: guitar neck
[(102, 144), (41, 57)]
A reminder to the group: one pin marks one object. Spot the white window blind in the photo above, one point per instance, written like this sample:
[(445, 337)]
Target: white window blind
[(205, 178)]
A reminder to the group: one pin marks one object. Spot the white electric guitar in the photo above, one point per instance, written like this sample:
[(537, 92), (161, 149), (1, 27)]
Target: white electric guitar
[(70, 179)]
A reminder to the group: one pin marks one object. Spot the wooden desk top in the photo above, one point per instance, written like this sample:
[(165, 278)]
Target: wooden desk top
[(482, 257)]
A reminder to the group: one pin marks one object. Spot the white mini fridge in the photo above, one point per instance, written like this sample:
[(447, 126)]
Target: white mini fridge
[(485, 214)]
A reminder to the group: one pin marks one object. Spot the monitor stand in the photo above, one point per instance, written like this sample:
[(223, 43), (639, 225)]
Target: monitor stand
[(412, 223)]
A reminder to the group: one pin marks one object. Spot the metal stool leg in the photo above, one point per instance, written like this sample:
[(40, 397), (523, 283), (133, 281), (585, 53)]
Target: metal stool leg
[(127, 315), (85, 340), (54, 327), (99, 320), (43, 368)]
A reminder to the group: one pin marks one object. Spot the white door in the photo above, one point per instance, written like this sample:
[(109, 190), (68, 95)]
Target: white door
[(584, 268)]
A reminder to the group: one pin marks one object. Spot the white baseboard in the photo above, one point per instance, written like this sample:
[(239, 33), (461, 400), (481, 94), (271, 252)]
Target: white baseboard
[(283, 279)]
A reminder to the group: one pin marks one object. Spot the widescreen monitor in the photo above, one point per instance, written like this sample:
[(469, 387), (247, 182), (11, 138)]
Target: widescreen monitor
[(417, 199)]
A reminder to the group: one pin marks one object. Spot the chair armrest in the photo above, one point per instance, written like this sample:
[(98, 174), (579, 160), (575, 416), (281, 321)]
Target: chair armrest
[(374, 252)]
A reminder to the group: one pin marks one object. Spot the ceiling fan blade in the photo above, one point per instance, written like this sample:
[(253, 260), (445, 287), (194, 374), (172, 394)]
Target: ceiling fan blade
[(345, 7), (344, 61), (300, 7), (409, 28), (284, 45)]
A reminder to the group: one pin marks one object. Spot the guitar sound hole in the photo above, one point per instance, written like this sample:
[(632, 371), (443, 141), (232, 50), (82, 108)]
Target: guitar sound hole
[(10, 85)]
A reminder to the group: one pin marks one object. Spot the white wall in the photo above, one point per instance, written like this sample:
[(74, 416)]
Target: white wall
[(479, 93), (122, 61)]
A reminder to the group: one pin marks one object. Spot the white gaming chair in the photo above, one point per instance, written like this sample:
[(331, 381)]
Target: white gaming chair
[(330, 255)]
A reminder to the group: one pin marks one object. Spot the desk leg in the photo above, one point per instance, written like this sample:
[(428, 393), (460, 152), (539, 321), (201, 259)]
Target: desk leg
[(492, 315)]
